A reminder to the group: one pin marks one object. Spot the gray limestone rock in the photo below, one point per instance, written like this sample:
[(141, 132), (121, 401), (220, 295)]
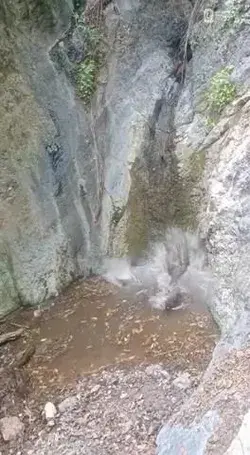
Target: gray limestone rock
[(11, 428), (48, 235), (177, 439), (241, 443)]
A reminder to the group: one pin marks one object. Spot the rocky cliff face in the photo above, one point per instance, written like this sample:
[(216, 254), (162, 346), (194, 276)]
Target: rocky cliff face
[(162, 143), (69, 169), (49, 173), (224, 140), (177, 146), (143, 193)]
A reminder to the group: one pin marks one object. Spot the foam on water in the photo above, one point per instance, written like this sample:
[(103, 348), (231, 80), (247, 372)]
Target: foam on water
[(173, 273)]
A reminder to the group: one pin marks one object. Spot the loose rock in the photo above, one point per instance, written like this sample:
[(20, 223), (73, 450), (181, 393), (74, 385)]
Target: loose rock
[(50, 411), (68, 404), (157, 371), (118, 410), (183, 381), (37, 313), (95, 389), (11, 428)]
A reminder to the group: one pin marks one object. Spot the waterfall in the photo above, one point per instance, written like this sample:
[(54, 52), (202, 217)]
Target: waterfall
[(173, 273)]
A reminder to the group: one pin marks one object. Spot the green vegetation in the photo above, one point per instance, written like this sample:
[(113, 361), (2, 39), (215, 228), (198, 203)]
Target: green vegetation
[(86, 78), (220, 93), (92, 38), (87, 70), (172, 200)]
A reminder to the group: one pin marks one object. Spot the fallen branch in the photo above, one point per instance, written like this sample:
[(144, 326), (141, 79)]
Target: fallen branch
[(19, 325), (26, 356), (10, 336)]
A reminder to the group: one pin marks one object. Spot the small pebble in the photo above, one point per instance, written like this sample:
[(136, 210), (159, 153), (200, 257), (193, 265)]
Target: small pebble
[(183, 381), (49, 411), (37, 313), (95, 389)]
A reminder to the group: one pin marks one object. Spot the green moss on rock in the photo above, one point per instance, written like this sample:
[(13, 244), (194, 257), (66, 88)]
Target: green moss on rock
[(189, 190), (44, 14), (220, 93), (170, 201)]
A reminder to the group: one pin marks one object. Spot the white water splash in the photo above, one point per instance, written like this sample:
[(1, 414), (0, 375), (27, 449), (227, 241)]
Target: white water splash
[(174, 272)]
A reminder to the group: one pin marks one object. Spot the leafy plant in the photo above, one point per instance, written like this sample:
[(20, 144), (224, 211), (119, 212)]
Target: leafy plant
[(92, 39), (87, 70), (86, 78), (221, 92), (91, 34)]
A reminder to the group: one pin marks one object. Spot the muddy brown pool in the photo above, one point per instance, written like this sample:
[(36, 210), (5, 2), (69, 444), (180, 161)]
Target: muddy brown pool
[(94, 324)]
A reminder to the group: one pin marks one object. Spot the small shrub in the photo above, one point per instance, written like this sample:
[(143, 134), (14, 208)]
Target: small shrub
[(221, 92), (92, 39), (87, 70), (86, 78), (92, 35)]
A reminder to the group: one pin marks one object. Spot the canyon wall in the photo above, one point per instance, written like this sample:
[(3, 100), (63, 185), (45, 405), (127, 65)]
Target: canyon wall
[(153, 148), (49, 173)]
